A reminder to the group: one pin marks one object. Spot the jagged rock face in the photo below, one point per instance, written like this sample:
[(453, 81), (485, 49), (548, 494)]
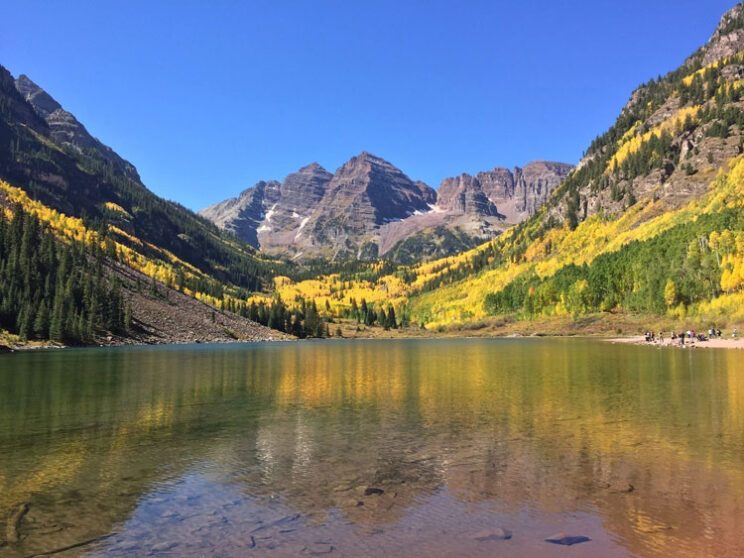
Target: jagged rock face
[(368, 206), (367, 192), (270, 214), (474, 208), (520, 194), (316, 213), (243, 215), (464, 195), (728, 38), (21, 110), (65, 128)]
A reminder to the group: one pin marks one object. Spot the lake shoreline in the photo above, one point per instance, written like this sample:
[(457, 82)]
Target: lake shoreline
[(13, 345), (630, 340), (718, 343), (601, 327)]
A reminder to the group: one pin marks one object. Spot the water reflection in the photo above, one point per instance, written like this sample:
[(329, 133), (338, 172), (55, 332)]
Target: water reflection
[(640, 448)]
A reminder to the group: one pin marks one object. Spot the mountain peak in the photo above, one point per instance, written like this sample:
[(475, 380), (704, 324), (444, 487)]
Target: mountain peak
[(44, 104), (367, 157), (313, 168), (728, 38), (732, 20), (369, 204), (65, 128)]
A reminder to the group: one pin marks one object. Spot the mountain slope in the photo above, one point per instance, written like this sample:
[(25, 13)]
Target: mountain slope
[(47, 153), (65, 128), (637, 226), (369, 208), (103, 235), (650, 222)]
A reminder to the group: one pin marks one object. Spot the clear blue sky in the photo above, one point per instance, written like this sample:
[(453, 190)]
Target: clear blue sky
[(206, 98)]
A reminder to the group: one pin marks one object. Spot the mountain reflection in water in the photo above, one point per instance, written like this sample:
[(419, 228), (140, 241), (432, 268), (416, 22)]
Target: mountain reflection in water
[(273, 447)]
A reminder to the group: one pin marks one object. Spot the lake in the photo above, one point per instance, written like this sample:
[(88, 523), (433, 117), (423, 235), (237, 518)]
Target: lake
[(374, 448)]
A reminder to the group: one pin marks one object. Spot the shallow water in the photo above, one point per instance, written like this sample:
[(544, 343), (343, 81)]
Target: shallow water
[(270, 449)]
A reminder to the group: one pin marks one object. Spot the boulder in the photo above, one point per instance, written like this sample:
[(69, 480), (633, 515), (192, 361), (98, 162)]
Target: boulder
[(567, 540)]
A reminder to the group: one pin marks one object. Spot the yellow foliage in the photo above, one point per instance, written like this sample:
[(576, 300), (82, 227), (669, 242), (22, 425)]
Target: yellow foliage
[(111, 206), (68, 229), (462, 300), (633, 144)]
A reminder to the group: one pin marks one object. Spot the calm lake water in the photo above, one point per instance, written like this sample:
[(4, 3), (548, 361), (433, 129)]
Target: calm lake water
[(374, 448)]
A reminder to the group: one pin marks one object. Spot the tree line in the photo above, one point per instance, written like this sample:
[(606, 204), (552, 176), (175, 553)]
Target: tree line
[(688, 263), (55, 291)]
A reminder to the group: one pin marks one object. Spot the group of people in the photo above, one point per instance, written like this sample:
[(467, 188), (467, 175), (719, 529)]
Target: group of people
[(690, 334)]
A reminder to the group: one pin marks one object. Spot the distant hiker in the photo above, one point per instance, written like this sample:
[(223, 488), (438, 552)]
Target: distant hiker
[(736, 332)]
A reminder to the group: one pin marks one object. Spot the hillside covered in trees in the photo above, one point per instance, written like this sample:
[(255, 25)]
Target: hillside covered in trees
[(75, 222), (650, 221)]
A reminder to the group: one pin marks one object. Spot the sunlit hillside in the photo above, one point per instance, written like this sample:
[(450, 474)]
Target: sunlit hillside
[(650, 222)]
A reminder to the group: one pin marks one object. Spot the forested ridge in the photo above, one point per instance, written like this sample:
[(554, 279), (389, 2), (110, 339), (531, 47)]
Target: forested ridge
[(50, 290), (80, 182), (635, 228), (650, 222)]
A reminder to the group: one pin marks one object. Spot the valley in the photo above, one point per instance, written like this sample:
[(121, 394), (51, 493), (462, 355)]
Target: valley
[(649, 223)]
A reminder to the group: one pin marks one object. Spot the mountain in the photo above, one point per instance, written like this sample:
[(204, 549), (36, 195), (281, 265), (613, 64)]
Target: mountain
[(80, 235), (65, 128), (50, 155), (369, 208), (650, 222), (649, 227), (471, 209)]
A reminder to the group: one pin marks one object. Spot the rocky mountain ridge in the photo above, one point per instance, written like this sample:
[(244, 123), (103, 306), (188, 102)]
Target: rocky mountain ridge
[(46, 152), (669, 138), (369, 206), (65, 128)]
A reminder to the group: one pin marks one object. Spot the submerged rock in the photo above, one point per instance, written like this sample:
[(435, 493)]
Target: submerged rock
[(497, 534), (567, 540), (13, 532)]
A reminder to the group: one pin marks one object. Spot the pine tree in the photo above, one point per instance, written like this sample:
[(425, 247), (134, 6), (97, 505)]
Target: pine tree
[(392, 321), (41, 323), (56, 326), (128, 317)]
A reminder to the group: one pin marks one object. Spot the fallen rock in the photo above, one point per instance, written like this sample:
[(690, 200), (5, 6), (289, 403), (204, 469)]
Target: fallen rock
[(497, 534), (566, 540), (372, 491)]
